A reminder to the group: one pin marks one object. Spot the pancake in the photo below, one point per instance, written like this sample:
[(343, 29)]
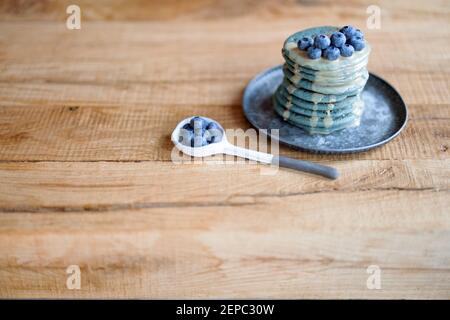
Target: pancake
[(337, 79), (281, 91), (314, 97), (317, 123), (350, 88), (347, 70), (336, 111)]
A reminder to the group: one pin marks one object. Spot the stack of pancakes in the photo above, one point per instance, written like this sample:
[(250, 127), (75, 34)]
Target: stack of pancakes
[(321, 96)]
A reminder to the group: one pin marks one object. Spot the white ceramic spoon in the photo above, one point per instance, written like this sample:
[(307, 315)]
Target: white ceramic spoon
[(224, 147)]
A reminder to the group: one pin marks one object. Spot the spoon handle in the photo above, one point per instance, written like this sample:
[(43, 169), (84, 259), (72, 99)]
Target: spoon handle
[(306, 166), (248, 154), (285, 162)]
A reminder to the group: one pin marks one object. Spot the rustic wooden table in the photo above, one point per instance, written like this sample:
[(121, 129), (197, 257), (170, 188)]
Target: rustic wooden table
[(86, 176)]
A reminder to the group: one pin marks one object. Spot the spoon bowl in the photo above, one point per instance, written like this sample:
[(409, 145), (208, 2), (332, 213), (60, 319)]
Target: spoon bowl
[(203, 151)]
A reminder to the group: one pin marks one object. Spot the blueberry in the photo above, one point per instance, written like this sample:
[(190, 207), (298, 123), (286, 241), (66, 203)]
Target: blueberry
[(185, 136), (304, 43), (199, 125), (348, 31), (207, 135), (213, 135), (314, 53), (331, 53), (358, 33), (199, 131), (187, 126), (197, 122), (338, 39), (347, 50), (199, 141), (358, 43), (321, 41), (212, 125)]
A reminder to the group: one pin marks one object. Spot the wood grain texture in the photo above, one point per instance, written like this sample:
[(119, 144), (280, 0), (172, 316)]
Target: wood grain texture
[(86, 175)]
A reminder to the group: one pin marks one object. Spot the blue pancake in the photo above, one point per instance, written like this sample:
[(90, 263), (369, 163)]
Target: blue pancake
[(341, 79), (335, 112), (344, 72), (296, 72), (351, 88), (352, 109), (323, 130), (315, 97), (316, 124), (297, 67), (281, 91)]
